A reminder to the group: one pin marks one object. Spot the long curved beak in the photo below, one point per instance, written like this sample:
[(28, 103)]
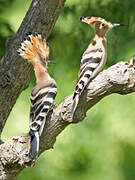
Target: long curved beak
[(51, 62), (119, 25), (115, 25)]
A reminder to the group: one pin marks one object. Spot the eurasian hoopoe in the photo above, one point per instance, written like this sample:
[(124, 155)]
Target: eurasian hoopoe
[(94, 57), (36, 52)]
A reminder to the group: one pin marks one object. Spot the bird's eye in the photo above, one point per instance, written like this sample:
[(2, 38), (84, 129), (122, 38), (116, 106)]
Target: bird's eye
[(103, 25)]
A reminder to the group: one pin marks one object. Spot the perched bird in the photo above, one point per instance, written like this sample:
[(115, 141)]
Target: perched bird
[(94, 57), (36, 51)]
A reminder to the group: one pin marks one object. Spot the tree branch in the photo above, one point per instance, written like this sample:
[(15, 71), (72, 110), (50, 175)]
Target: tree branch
[(119, 78)]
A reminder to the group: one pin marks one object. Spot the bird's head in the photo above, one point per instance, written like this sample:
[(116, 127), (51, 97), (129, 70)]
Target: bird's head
[(100, 25)]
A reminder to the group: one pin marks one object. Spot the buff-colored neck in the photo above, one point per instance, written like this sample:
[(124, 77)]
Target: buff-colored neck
[(99, 40), (41, 73)]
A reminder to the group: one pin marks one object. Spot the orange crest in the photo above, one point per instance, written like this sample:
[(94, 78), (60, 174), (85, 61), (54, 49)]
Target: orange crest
[(99, 23), (35, 49)]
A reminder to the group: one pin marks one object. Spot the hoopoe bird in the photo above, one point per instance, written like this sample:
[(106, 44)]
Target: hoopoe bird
[(94, 58), (36, 51)]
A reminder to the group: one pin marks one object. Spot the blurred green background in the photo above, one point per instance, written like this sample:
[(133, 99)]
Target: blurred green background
[(102, 147)]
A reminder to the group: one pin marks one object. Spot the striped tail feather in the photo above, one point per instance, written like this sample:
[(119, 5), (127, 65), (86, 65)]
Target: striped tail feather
[(82, 82), (90, 66), (34, 146), (74, 106), (84, 78)]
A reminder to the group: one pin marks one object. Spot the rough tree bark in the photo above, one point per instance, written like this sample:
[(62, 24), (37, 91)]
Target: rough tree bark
[(14, 77)]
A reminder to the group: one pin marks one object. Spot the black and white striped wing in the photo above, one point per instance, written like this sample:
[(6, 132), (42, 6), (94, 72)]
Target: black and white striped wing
[(91, 64), (41, 102)]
